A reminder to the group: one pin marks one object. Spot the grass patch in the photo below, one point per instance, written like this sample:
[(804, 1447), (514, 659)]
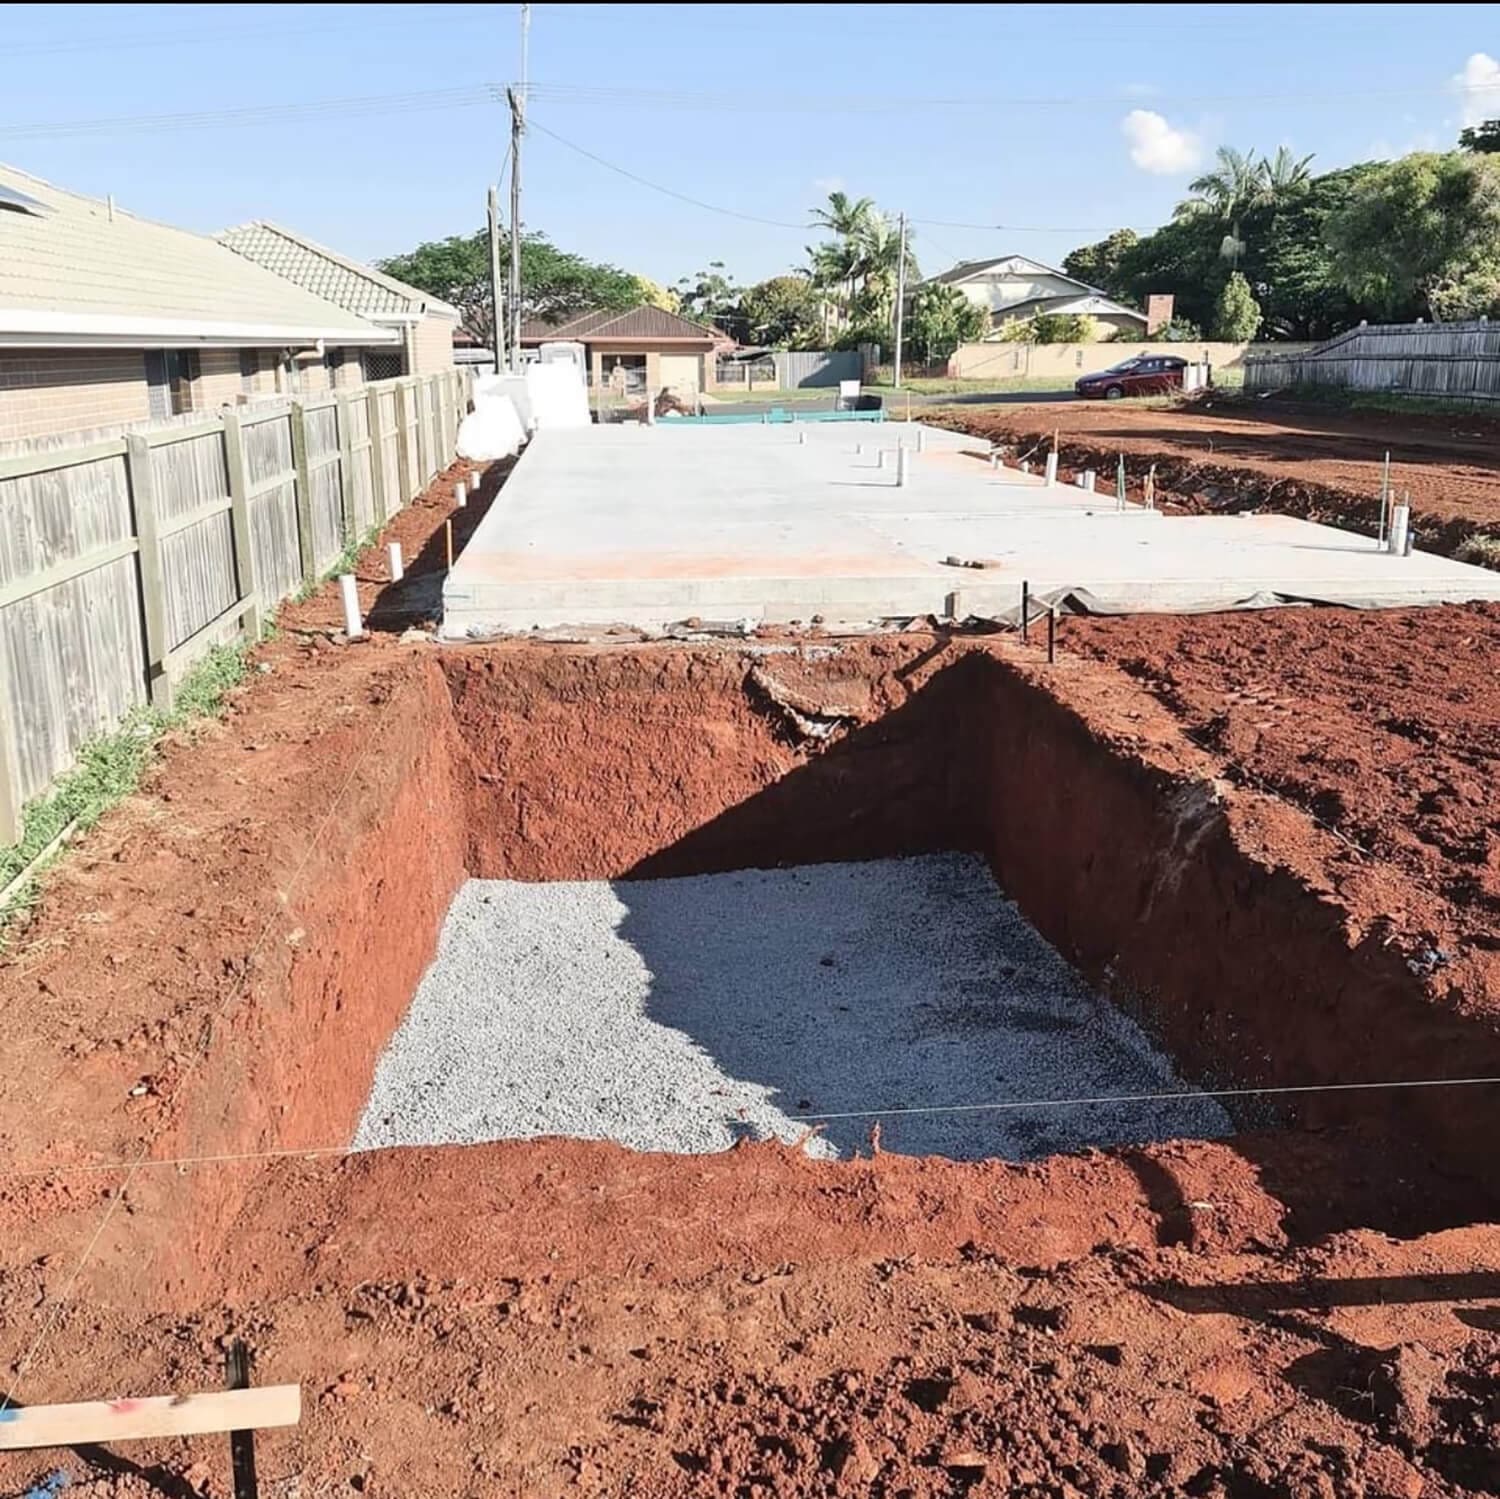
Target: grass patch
[(1337, 398), (345, 562), (937, 385), (110, 767)]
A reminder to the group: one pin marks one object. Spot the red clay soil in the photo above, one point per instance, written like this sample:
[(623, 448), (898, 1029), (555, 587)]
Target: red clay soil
[(1383, 725), (214, 970), (1218, 455)]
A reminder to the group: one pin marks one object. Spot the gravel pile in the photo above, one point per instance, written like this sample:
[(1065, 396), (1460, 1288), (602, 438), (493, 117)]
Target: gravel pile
[(682, 1015)]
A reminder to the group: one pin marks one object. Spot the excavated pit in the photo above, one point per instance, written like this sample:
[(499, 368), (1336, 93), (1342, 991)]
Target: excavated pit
[(1164, 896)]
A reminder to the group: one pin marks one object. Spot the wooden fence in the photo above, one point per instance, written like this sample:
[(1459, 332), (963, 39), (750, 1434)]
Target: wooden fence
[(1450, 361), (122, 560)]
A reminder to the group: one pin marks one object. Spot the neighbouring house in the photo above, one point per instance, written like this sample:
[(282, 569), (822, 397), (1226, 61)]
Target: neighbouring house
[(108, 319), (425, 323), (648, 345), (1015, 286)]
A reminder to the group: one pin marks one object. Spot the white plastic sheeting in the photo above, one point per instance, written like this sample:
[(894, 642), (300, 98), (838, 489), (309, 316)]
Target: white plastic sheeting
[(558, 397), (492, 429)]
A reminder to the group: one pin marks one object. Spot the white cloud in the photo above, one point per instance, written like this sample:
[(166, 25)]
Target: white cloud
[(1156, 146), (1478, 88)]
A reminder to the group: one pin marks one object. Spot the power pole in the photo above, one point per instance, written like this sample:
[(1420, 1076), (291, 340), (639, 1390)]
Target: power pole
[(498, 333), (517, 130), (900, 300), (516, 127)]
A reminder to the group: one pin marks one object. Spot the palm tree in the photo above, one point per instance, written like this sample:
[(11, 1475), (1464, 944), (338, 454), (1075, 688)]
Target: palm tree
[(1238, 182), (880, 266), (846, 218), (1284, 173), (837, 264)]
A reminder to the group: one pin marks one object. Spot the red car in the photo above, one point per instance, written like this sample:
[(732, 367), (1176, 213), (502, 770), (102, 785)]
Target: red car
[(1145, 375)]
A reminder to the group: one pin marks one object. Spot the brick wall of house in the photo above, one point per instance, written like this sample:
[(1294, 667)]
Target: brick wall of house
[(46, 391), (431, 346), (218, 382)]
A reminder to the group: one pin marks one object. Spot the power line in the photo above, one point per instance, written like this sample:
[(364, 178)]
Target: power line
[(734, 213), (885, 102), (368, 21), (257, 114), (730, 213)]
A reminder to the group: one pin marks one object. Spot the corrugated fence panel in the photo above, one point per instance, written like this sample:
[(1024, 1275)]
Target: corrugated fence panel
[(1456, 361), (198, 560), (74, 667), (812, 367)]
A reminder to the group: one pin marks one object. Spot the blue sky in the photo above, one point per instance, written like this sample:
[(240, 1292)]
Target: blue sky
[(1057, 121)]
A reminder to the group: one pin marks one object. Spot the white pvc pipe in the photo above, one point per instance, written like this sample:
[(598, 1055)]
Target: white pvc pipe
[(1088, 479), (353, 624), (1400, 520), (398, 568), (460, 495), (1051, 469), (921, 438), (1025, 466), (903, 461)]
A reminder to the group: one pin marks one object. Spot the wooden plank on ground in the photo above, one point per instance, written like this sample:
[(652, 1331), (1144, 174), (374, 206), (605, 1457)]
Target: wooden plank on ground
[(97, 1421)]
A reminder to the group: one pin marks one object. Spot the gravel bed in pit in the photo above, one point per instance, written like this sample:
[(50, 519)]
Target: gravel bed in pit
[(684, 1014)]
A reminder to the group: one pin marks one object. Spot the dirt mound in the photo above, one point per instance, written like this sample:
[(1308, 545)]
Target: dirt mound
[(1220, 457)]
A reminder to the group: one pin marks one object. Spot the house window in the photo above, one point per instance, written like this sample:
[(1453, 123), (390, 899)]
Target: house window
[(334, 359), (170, 374), (249, 369), (384, 364)]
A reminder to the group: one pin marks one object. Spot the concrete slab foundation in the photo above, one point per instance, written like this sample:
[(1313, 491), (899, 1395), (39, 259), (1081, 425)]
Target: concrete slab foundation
[(651, 526), (682, 1015)]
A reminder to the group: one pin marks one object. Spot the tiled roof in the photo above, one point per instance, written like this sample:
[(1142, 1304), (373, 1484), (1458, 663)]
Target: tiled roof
[(75, 268), (354, 287), (967, 269), (645, 324)]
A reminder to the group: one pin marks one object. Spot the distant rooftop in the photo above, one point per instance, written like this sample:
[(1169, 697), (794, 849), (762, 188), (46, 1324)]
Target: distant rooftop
[(347, 283), (645, 323)]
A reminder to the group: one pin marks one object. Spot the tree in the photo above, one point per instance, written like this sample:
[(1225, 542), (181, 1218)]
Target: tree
[(940, 318), (1235, 184), (650, 294), (1284, 174), (1099, 264), (1416, 226), (1236, 313), (858, 269), (711, 297), (1050, 328), (554, 283), (1482, 138), (782, 313)]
